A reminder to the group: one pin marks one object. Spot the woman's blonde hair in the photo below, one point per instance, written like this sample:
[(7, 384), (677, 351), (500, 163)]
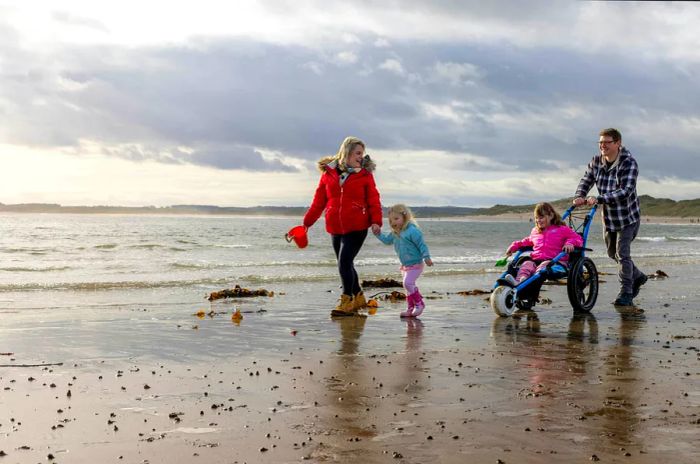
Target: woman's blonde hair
[(346, 148), (402, 210), (546, 209)]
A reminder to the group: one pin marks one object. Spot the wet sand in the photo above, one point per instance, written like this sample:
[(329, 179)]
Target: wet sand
[(154, 383)]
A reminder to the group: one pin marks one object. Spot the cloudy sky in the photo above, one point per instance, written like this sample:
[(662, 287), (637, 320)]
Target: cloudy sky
[(231, 103)]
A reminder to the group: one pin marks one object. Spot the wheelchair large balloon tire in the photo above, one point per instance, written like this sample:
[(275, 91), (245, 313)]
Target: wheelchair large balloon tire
[(503, 300), (582, 285)]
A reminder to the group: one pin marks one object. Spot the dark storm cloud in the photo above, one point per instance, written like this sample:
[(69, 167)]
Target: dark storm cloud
[(236, 158), (239, 95)]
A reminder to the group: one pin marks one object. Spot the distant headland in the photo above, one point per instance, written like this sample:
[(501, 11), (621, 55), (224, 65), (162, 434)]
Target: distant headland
[(655, 207)]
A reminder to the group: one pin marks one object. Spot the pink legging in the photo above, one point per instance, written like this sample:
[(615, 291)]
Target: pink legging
[(410, 275), (528, 268)]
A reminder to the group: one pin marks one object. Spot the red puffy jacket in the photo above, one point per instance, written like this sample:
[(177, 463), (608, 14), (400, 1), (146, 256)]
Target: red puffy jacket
[(351, 207)]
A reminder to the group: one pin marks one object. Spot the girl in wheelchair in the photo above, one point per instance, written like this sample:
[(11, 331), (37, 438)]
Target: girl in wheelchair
[(547, 239), (557, 250)]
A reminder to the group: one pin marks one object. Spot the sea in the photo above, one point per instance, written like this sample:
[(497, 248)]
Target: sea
[(74, 256)]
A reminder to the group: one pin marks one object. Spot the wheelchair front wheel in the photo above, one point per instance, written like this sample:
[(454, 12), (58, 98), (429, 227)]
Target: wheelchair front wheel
[(582, 285), (503, 300)]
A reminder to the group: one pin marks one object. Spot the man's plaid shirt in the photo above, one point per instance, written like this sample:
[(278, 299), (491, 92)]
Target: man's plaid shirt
[(617, 189)]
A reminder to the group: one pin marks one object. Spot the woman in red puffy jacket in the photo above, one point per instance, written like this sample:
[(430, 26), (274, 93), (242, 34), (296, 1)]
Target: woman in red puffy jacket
[(350, 199)]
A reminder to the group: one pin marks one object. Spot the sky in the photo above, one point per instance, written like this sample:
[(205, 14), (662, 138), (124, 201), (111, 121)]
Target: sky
[(232, 103)]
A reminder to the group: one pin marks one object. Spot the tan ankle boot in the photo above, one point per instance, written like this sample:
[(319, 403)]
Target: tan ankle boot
[(345, 307), (359, 301)]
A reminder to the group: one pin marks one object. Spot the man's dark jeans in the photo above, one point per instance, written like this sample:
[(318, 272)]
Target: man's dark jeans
[(619, 244)]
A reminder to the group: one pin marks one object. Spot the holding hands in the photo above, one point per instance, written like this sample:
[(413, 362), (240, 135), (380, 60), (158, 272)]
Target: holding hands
[(428, 261), (376, 229)]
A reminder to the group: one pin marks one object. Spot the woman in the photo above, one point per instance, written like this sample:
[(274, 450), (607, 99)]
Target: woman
[(348, 194)]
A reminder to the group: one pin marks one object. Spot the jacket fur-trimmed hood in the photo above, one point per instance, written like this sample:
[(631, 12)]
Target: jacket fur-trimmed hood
[(367, 163)]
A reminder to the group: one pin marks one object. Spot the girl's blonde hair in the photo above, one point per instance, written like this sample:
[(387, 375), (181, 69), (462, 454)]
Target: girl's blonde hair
[(402, 210), (346, 148), (546, 209)]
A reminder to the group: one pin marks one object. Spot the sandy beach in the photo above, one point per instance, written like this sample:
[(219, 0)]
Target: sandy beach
[(287, 383)]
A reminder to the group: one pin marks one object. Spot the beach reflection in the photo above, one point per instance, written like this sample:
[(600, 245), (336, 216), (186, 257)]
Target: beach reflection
[(621, 375), (544, 369), (348, 396), (411, 381)]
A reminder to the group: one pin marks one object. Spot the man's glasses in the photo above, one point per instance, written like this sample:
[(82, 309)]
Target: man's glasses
[(605, 142)]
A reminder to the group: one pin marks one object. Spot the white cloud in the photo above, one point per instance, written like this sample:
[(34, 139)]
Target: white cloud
[(457, 74), (345, 58), (393, 65)]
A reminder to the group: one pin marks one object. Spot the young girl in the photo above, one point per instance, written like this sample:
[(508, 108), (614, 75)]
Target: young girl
[(412, 250), (549, 237)]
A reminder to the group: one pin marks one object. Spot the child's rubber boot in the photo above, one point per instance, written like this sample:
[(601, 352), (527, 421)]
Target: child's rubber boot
[(418, 301), (359, 301), (411, 304), (344, 307)]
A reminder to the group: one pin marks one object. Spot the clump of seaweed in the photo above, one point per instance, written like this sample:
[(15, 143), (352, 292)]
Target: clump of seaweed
[(381, 283), (239, 292)]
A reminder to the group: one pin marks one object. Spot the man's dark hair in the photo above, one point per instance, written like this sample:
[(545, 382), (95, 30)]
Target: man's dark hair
[(610, 132)]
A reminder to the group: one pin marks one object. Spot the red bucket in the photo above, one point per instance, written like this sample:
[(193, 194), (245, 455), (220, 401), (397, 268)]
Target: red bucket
[(298, 234)]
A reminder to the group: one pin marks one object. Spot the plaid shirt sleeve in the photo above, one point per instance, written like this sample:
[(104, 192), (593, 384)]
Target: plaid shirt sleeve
[(588, 178)]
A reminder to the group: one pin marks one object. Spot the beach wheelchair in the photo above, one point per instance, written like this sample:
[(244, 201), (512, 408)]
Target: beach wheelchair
[(581, 274)]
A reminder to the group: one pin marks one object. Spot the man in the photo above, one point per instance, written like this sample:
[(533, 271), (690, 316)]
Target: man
[(614, 173)]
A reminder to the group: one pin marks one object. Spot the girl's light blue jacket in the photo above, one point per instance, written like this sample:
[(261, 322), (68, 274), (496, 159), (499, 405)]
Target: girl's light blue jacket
[(409, 244)]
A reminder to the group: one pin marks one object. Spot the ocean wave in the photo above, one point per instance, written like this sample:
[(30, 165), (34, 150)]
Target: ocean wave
[(34, 269), (232, 246), (30, 250), (478, 259), (106, 246), (187, 242), (666, 238), (200, 266), (121, 285), (155, 246)]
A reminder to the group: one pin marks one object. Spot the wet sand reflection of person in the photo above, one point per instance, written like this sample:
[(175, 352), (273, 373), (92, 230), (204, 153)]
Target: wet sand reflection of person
[(553, 368), (348, 398), (413, 370), (621, 379), (578, 352)]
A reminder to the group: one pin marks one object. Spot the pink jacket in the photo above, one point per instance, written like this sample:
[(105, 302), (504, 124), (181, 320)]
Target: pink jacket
[(548, 243)]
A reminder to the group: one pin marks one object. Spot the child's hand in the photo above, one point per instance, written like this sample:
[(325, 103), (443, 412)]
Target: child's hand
[(569, 248), (428, 261), (376, 228), (509, 252)]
